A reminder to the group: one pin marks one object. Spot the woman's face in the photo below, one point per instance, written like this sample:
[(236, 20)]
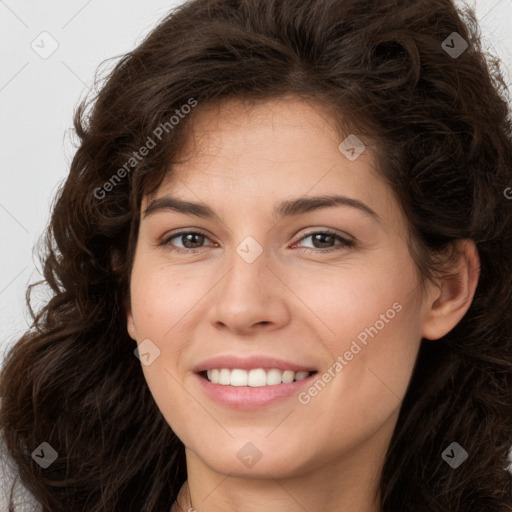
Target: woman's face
[(260, 283)]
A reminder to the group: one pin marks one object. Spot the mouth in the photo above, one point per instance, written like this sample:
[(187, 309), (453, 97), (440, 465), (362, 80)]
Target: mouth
[(258, 388), (255, 378), (253, 382)]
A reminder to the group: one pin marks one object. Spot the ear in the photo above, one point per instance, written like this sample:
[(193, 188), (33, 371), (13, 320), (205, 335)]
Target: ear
[(450, 299), (117, 267), (130, 324)]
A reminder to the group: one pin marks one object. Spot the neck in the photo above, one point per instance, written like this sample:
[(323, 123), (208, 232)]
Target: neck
[(334, 486), (325, 476)]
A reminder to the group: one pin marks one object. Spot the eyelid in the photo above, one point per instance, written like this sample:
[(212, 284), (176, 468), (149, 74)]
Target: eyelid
[(168, 236), (347, 241), (330, 231)]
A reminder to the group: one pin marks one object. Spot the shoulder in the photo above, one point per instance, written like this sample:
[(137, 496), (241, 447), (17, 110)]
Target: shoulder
[(23, 500)]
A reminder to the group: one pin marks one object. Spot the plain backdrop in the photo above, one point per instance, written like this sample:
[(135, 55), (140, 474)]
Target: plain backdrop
[(38, 93)]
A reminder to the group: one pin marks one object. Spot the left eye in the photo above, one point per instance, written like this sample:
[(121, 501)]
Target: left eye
[(325, 237), (193, 240)]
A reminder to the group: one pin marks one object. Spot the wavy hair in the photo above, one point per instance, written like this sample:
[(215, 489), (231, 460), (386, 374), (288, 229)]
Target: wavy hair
[(442, 128)]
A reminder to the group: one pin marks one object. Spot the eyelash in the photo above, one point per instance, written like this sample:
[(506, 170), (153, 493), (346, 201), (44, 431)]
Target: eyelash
[(345, 243)]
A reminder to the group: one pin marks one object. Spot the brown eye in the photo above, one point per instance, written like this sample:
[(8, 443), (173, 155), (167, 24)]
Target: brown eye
[(327, 240), (190, 241)]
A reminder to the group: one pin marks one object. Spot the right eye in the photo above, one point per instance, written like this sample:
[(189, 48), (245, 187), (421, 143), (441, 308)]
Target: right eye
[(187, 238)]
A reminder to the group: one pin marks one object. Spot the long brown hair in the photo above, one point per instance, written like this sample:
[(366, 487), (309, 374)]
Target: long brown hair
[(442, 127)]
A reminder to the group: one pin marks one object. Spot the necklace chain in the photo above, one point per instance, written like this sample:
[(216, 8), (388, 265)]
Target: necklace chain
[(191, 507)]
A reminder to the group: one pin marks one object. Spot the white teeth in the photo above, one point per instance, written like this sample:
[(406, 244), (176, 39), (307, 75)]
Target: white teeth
[(224, 377), (288, 376), (255, 378), (301, 375), (239, 378), (274, 377)]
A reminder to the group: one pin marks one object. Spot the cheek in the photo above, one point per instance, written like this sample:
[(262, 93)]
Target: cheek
[(374, 319), (160, 297), (369, 296), (162, 303)]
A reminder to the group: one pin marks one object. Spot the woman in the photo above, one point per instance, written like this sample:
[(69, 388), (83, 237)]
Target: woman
[(281, 272)]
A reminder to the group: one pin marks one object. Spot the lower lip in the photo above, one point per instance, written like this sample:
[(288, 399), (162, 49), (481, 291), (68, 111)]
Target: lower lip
[(247, 397)]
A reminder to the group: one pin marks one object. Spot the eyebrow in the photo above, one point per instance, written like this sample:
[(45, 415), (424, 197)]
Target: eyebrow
[(288, 208)]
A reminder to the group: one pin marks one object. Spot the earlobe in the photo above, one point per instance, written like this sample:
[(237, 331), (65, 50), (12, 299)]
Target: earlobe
[(130, 324), (131, 327), (454, 293)]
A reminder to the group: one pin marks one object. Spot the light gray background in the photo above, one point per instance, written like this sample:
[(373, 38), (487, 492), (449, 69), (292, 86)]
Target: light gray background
[(37, 98)]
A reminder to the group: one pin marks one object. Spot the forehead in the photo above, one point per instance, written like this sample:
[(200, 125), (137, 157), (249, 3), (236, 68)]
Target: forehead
[(266, 152), (287, 137), (255, 126)]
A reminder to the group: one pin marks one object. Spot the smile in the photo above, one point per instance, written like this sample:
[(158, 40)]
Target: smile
[(256, 378)]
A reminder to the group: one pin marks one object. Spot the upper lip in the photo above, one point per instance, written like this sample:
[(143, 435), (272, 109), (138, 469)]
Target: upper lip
[(249, 363)]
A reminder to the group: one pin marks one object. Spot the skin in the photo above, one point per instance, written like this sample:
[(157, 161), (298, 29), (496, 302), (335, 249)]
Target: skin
[(306, 306)]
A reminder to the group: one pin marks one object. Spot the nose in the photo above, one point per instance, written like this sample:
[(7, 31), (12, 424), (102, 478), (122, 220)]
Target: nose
[(250, 297)]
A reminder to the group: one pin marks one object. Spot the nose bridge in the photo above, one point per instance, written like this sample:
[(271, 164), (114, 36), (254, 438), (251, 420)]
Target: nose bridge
[(249, 293), (247, 280)]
